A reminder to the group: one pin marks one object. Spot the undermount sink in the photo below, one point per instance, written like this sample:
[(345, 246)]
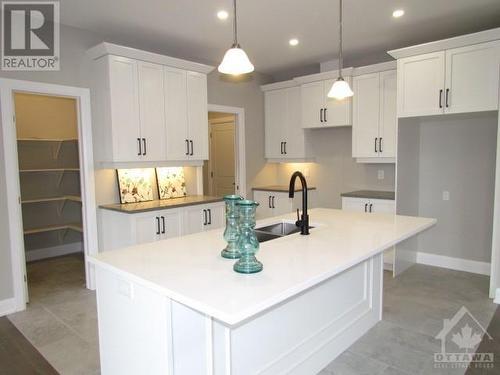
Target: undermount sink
[(277, 230)]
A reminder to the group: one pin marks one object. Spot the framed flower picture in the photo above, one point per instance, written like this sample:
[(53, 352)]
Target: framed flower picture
[(171, 182), (136, 185)]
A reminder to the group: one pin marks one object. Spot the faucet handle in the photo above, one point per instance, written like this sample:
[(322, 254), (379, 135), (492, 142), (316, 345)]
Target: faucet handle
[(298, 222)]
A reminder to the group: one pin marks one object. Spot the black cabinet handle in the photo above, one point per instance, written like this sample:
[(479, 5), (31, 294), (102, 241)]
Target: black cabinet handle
[(366, 207), (204, 217), (269, 202), (441, 98), (325, 113), (209, 216), (321, 115), (157, 225), (272, 201), (192, 147), (163, 224), (281, 148), (284, 148), (380, 145), (376, 145), (144, 142), (447, 95), (371, 205), (140, 147), (187, 147)]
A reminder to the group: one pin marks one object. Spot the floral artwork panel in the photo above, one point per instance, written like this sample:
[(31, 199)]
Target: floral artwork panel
[(136, 185), (171, 182)]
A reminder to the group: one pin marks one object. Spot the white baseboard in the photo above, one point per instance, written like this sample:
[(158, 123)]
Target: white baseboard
[(7, 306), (497, 296), (458, 264), (54, 251)]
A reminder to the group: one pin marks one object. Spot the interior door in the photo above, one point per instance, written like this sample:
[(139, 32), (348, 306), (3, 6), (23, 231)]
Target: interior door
[(292, 129), (472, 78), (152, 111), (338, 112), (222, 160), (313, 103), (366, 114), (197, 115), (388, 124), (176, 122), (276, 118), (123, 86)]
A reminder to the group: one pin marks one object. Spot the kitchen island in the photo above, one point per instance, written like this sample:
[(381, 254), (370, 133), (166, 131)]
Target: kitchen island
[(177, 307)]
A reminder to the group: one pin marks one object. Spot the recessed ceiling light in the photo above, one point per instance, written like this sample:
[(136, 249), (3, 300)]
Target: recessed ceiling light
[(222, 15), (293, 42), (398, 13)]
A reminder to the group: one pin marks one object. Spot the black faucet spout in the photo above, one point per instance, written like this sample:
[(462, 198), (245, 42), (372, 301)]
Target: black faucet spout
[(303, 223)]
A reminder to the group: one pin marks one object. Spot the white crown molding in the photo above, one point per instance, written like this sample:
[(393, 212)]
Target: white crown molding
[(375, 68), (441, 45), (346, 72), (279, 85), (458, 264), (106, 48)]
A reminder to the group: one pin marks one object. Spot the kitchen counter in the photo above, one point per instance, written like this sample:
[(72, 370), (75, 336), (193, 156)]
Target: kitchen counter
[(370, 194), (280, 188), (176, 306), (189, 200)]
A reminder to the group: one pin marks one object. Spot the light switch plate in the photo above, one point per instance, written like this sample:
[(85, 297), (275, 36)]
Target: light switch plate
[(380, 174), (446, 195)]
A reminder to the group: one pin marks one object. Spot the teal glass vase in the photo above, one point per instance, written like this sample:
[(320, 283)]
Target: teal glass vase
[(247, 242), (232, 227)]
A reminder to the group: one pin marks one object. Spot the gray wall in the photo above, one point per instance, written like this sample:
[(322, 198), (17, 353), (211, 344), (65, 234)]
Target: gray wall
[(334, 170), (457, 154)]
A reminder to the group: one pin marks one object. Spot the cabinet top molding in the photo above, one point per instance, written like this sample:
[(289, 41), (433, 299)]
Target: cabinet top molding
[(105, 48), (279, 85), (441, 45), (333, 74)]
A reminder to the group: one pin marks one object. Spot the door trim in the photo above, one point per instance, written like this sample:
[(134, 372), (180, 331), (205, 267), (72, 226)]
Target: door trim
[(15, 226), (239, 149)]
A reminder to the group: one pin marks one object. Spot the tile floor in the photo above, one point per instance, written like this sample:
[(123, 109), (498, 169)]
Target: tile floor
[(61, 320)]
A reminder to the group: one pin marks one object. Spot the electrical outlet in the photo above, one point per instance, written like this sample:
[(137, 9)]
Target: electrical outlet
[(446, 195), (380, 174)]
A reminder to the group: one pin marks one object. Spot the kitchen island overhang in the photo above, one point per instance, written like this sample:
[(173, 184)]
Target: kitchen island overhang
[(192, 314)]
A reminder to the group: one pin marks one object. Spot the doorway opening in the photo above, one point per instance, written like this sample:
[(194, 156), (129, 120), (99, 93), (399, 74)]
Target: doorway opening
[(220, 171), (50, 193)]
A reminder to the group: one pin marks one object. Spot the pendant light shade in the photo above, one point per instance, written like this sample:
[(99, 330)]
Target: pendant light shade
[(235, 61), (340, 88)]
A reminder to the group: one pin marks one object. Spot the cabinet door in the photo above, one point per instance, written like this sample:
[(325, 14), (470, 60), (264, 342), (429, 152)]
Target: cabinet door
[(152, 111), (366, 115), (195, 220), (281, 203), (354, 204), (123, 86), (147, 227), (294, 147), (263, 198), (173, 223), (388, 124), (313, 102), (197, 115), (275, 122), (421, 85), (383, 206), (472, 78), (176, 123), (216, 215), (338, 112)]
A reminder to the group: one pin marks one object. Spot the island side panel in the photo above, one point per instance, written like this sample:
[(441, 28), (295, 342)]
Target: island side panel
[(304, 334)]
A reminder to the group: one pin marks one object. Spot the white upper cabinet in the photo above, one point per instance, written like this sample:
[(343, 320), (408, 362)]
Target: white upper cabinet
[(319, 111), (456, 80), (147, 107), (284, 137), (374, 116)]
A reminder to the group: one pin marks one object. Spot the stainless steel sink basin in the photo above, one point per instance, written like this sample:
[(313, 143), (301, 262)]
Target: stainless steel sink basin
[(263, 236), (277, 230)]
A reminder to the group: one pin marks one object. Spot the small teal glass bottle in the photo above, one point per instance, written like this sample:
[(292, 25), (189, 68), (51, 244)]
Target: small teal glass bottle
[(247, 242), (232, 227)]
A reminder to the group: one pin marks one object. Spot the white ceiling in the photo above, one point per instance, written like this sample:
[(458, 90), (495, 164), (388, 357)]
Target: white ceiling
[(190, 29)]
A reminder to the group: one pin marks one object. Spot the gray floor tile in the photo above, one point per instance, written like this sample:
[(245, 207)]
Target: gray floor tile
[(349, 363)]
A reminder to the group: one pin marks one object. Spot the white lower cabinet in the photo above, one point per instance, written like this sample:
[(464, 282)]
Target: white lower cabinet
[(121, 229), (275, 203)]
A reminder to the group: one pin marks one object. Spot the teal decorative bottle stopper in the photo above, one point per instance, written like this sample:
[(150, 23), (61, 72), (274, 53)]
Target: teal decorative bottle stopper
[(247, 242), (232, 227)]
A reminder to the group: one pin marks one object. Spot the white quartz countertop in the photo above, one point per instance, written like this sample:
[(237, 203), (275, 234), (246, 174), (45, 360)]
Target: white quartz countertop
[(191, 271)]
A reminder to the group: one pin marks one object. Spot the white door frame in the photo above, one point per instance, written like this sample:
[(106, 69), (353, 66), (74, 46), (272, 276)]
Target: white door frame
[(239, 150), (13, 193)]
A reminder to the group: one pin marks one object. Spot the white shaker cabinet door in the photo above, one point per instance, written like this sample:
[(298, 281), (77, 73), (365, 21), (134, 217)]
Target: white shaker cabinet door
[(355, 204), (282, 204), (472, 78), (147, 227), (313, 104), (383, 206), (152, 111), (171, 223), (421, 85), (197, 115), (195, 219), (216, 215), (388, 125), (337, 112), (275, 124), (264, 208), (176, 120), (295, 146), (125, 119)]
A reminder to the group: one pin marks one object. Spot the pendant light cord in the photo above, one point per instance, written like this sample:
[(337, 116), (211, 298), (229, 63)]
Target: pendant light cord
[(340, 39), (235, 26)]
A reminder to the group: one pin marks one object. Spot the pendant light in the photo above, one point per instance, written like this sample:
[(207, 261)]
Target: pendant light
[(235, 60), (340, 88)]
